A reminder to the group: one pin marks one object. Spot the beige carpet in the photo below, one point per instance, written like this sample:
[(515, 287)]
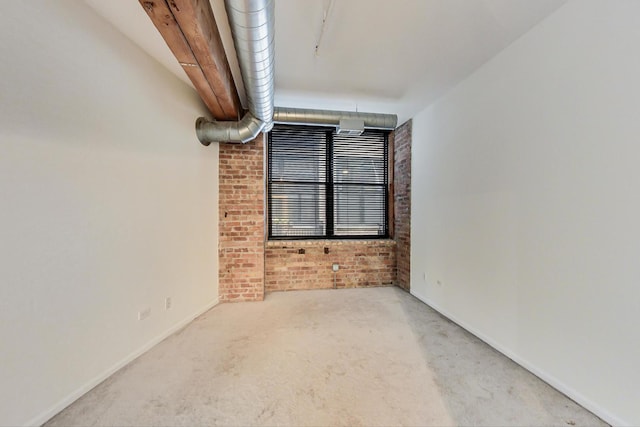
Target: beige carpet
[(373, 357)]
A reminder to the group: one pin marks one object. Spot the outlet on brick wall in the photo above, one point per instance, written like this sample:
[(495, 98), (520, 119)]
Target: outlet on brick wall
[(360, 264)]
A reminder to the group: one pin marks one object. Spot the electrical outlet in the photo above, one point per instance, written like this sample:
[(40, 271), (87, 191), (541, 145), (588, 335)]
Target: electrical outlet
[(335, 267), (167, 303), (144, 313)]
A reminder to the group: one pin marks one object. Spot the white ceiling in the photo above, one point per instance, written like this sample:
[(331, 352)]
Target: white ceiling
[(131, 20), (376, 55)]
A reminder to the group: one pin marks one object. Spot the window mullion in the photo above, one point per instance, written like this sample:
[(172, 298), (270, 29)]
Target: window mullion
[(269, 186), (329, 188), (386, 185)]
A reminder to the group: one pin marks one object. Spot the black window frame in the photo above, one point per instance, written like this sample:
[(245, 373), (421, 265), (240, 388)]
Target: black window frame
[(329, 186)]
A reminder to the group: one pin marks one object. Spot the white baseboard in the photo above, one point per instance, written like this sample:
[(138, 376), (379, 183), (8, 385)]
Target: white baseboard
[(55, 409), (540, 373)]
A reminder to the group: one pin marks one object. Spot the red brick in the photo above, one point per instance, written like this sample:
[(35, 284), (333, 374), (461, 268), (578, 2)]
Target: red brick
[(248, 266), (402, 202), (241, 223), (286, 269)]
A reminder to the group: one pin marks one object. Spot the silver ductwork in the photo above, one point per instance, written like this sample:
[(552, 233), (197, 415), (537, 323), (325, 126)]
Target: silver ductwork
[(252, 27), (243, 130), (300, 116)]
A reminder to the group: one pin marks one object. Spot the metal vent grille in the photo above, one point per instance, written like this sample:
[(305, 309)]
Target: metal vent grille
[(350, 127)]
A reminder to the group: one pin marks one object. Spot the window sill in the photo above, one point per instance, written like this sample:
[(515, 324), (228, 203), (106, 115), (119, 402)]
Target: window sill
[(329, 242)]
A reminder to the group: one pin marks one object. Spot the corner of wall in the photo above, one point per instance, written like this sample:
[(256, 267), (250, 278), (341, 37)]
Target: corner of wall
[(402, 202), (241, 221)]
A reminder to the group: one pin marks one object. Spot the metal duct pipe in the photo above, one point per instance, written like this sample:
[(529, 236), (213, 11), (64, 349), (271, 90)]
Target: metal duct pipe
[(241, 131), (301, 116), (252, 27)]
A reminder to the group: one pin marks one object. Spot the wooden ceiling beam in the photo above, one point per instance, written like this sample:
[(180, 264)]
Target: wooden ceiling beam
[(198, 24), (189, 29)]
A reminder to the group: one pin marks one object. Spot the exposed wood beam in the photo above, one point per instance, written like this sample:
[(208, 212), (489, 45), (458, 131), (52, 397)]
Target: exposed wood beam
[(198, 24), (189, 29)]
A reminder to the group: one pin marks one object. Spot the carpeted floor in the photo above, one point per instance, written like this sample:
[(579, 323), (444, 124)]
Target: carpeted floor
[(372, 357)]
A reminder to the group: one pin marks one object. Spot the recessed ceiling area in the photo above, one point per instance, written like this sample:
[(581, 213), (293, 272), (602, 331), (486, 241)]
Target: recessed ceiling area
[(379, 56)]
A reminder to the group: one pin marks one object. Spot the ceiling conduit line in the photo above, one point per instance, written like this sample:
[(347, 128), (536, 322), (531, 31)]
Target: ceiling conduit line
[(325, 20)]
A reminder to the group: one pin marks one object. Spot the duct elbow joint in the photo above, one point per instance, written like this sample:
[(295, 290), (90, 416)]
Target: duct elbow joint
[(245, 130), (252, 25), (249, 127)]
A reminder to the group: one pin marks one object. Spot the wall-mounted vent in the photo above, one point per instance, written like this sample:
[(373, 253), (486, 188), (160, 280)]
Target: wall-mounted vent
[(350, 127)]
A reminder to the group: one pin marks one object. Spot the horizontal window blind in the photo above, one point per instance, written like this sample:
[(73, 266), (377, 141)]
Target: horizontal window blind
[(360, 184), (324, 185)]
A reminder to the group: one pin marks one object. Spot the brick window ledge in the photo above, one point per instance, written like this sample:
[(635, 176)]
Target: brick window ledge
[(330, 242)]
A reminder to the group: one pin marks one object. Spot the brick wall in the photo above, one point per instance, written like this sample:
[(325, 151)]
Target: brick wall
[(241, 226), (306, 265), (402, 203), (249, 266)]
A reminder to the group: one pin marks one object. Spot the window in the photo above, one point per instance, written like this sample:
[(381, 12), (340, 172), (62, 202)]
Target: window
[(324, 185)]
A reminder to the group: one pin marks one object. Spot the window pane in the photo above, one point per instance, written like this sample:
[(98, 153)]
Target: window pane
[(360, 159), (359, 210), (298, 154), (298, 210)]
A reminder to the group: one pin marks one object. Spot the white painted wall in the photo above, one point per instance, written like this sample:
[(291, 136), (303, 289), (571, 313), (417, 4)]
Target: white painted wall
[(108, 204), (526, 204)]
